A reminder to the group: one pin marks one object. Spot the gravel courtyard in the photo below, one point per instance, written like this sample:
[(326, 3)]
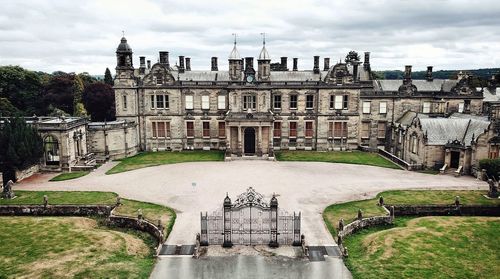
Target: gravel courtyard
[(308, 187)]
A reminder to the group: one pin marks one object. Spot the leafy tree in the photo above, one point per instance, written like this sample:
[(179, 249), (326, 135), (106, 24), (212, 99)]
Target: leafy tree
[(21, 145), (80, 110), (59, 92), (99, 100), (22, 88), (7, 109), (77, 91), (352, 56), (108, 79), (87, 79)]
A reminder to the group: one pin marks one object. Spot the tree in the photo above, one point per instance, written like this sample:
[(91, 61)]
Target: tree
[(352, 56), (77, 92), (22, 88), (108, 79), (59, 92), (7, 109), (21, 145), (99, 100)]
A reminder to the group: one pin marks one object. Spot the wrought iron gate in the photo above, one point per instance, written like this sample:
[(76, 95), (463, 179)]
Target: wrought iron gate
[(250, 220)]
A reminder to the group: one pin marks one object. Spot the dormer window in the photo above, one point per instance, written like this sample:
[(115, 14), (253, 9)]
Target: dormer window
[(159, 80)]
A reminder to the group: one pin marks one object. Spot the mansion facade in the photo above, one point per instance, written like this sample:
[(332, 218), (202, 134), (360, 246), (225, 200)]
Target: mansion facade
[(255, 110)]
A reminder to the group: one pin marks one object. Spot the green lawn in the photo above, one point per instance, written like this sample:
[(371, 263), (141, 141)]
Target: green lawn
[(347, 157), (427, 247), (348, 211), (69, 175), (148, 159), (151, 212), (72, 247)]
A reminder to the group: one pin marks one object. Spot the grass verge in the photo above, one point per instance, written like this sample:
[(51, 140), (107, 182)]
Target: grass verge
[(427, 247), (69, 175), (148, 159), (346, 157)]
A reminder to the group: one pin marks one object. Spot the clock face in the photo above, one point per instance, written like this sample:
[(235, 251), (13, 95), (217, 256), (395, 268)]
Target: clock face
[(249, 78)]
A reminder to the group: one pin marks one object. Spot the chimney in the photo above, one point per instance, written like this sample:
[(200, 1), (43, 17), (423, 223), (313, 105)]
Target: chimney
[(366, 65), (316, 65), (149, 64), (355, 66), (142, 64), (181, 64), (284, 62), (428, 76), (326, 64), (214, 64), (248, 63), (164, 58), (188, 63), (295, 63), (407, 76)]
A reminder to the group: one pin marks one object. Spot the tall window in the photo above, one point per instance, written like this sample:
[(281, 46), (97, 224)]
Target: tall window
[(249, 102), (161, 129), (309, 101), (338, 129), (222, 129), (190, 129), (293, 129), (382, 108), (493, 152), (277, 101), (221, 102), (277, 129), (189, 102), (367, 107), (124, 101), (365, 130), (460, 107), (159, 101), (345, 101), (309, 129), (426, 107), (414, 144), (381, 126), (293, 101), (159, 79), (205, 102), (206, 129)]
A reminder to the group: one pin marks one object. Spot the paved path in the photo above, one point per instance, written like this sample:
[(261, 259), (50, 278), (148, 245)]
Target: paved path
[(301, 186)]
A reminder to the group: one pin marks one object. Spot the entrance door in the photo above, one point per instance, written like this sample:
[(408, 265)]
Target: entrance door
[(455, 159), (249, 141)]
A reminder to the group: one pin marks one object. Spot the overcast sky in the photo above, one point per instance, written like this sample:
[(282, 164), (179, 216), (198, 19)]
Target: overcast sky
[(78, 36)]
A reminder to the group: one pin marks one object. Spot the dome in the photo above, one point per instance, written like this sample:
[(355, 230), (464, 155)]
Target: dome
[(264, 55), (235, 55), (123, 46)]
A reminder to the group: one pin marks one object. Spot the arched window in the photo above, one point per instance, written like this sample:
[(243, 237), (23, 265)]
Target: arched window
[(51, 147)]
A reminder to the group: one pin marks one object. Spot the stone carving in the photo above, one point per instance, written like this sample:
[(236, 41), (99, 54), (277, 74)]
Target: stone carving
[(139, 214), (118, 201), (493, 189), (8, 193), (360, 214), (381, 201), (250, 197), (457, 201), (341, 224), (45, 200)]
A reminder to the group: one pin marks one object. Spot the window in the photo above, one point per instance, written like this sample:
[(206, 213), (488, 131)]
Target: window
[(493, 152), (332, 101), (309, 101), (124, 101), (159, 80), (152, 101), (367, 107), (345, 99), (205, 102), (277, 129), (339, 129), (222, 129), (206, 129), (309, 129), (189, 102), (365, 130), (277, 101), (221, 102), (293, 101), (161, 129), (414, 144), (160, 102), (426, 107), (382, 108), (460, 107), (190, 129), (338, 102), (293, 129), (466, 105), (249, 102), (381, 126)]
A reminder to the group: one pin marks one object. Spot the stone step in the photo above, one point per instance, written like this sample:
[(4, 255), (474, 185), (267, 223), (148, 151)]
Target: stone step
[(176, 250)]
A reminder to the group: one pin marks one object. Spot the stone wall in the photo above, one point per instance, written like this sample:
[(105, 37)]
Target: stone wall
[(136, 224), (22, 174), (55, 210), (364, 223), (446, 210)]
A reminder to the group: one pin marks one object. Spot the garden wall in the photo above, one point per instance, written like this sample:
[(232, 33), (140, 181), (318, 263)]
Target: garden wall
[(56, 210), (444, 210), (364, 223)]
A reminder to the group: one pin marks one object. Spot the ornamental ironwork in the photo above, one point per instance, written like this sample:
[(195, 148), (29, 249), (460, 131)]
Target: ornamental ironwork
[(250, 220)]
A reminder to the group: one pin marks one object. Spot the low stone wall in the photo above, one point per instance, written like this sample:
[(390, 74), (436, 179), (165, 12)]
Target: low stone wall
[(137, 224), (22, 174), (56, 210), (364, 223), (446, 210)]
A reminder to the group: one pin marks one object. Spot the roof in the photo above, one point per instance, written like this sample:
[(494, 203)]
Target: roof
[(235, 55), (435, 85), (203, 76), (123, 46), (491, 94), (408, 118), (264, 55), (296, 76), (440, 131)]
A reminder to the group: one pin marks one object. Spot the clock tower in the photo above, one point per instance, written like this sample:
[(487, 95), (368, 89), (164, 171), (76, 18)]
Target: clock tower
[(249, 70)]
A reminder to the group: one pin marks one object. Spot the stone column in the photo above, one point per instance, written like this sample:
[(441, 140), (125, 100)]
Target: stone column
[(228, 138), (240, 146), (259, 145)]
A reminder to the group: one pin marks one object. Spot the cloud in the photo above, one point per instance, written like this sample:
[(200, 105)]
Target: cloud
[(52, 35)]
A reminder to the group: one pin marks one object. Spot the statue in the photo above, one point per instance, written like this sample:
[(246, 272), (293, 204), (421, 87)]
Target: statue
[(341, 224), (457, 201), (493, 190), (360, 214), (8, 193), (381, 201)]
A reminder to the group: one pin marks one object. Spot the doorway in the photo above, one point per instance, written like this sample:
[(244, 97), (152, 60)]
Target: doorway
[(249, 141), (455, 159)]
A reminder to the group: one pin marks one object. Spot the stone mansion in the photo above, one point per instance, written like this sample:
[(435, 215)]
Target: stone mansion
[(256, 109)]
